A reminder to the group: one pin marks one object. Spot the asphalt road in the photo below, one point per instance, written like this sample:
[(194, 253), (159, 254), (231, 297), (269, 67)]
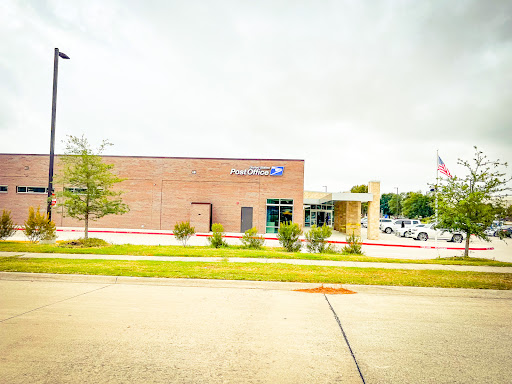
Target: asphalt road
[(93, 329)]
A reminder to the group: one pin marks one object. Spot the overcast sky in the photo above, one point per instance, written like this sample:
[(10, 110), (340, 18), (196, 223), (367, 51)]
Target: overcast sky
[(361, 90)]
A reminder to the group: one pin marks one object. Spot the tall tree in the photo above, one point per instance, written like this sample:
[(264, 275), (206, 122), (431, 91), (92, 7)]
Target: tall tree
[(470, 204), (88, 183), (361, 189), (384, 203), (395, 203), (417, 204)]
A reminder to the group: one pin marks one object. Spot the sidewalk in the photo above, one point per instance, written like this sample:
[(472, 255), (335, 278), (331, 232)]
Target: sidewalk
[(325, 263)]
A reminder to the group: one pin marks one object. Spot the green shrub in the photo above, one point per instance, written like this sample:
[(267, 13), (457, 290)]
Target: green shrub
[(38, 227), (354, 246), (7, 226), (183, 231), (216, 240), (250, 239), (316, 238), (288, 236), (91, 242)]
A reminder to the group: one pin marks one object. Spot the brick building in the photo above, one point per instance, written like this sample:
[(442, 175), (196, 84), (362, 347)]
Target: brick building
[(161, 191)]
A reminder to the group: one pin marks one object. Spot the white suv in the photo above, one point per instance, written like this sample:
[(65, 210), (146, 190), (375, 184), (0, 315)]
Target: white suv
[(398, 224), (384, 223)]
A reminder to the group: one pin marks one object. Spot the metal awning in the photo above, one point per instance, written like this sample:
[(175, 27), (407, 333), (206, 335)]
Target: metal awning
[(340, 196)]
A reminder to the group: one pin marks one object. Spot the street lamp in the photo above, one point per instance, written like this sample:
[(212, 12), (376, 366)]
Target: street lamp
[(52, 140), (325, 186), (397, 203)]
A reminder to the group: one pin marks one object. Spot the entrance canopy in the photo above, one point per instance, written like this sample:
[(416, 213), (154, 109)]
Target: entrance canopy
[(342, 210), (323, 198)]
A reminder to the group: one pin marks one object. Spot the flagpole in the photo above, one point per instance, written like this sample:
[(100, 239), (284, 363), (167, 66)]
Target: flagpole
[(435, 191)]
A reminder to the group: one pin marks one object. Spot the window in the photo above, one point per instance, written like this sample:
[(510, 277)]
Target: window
[(3, 188), (31, 190), (278, 211), (76, 190)]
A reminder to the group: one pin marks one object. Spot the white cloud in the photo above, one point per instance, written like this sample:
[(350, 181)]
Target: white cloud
[(360, 90)]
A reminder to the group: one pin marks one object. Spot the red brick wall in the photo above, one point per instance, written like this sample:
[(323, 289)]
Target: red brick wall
[(159, 191)]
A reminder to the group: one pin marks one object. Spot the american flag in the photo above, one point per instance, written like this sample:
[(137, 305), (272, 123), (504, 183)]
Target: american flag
[(442, 168)]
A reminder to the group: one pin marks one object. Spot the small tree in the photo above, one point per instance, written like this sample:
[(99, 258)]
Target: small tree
[(288, 236), (250, 239), (316, 238), (183, 231), (216, 240), (353, 247), (7, 226), (470, 204), (88, 183), (39, 227)]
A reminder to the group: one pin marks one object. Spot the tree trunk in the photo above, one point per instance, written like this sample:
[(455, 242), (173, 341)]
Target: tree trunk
[(86, 235), (466, 250)]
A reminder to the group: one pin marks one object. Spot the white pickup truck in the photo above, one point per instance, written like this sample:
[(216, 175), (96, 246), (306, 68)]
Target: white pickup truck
[(429, 232)]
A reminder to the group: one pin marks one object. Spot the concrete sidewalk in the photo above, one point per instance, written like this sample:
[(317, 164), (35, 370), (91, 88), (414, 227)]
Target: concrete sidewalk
[(327, 263)]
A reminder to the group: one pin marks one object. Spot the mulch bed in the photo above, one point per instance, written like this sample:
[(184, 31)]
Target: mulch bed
[(327, 291)]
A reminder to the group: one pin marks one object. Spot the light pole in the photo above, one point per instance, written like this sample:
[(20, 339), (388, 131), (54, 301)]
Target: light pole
[(52, 140), (397, 203), (325, 186)]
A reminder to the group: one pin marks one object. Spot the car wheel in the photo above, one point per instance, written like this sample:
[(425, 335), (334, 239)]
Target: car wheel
[(423, 236), (388, 230), (457, 238)]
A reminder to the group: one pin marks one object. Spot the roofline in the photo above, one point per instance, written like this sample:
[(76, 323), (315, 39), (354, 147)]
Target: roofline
[(159, 157)]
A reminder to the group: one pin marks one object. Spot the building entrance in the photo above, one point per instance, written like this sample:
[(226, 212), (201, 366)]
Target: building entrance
[(318, 215)]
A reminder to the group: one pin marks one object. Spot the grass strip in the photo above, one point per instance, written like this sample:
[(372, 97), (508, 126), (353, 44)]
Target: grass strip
[(261, 272), (232, 251)]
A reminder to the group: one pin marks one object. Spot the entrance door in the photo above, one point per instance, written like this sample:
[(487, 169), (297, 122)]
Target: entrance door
[(320, 219), (246, 222)]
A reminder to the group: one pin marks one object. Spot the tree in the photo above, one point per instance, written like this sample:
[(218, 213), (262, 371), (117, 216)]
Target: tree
[(88, 183), (384, 203), (183, 231), (38, 226), (7, 226), (288, 235), (470, 204), (417, 204), (361, 189), (395, 204)]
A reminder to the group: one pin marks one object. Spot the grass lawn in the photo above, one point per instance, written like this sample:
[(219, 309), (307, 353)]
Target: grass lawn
[(260, 272), (232, 251)]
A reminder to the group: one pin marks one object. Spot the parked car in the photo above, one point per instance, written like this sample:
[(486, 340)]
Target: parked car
[(406, 231), (384, 223), (364, 222), (397, 224), (505, 231), (495, 228), (429, 232)]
